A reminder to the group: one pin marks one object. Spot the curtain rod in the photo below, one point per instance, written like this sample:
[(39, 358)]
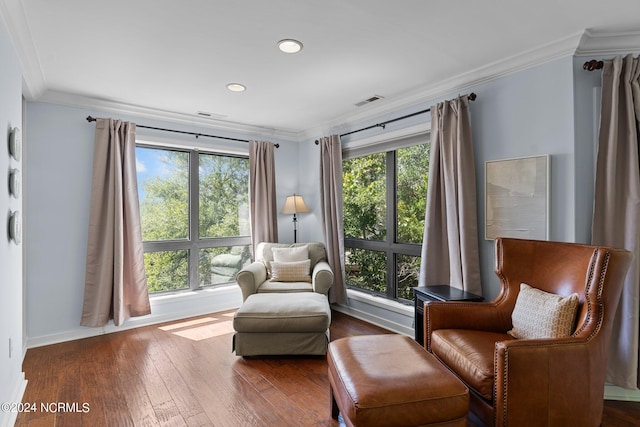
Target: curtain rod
[(196, 134), (472, 97), (593, 65)]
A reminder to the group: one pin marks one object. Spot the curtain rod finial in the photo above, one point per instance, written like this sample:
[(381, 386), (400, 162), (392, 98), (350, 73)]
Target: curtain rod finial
[(91, 119), (593, 65), (472, 96)]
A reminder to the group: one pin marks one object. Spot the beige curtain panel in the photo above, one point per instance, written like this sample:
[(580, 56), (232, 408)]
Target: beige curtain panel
[(616, 215), (262, 192), (450, 245), (331, 206), (115, 281)]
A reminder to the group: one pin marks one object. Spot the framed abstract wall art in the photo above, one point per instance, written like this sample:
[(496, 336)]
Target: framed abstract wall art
[(517, 198)]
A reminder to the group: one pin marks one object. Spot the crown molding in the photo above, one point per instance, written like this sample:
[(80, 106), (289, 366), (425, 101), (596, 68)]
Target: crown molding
[(408, 132), (34, 86), (604, 43), (460, 83), (15, 20), (583, 43), (244, 130)]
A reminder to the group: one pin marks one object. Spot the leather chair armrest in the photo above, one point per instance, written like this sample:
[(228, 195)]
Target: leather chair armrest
[(532, 374), (322, 277), (250, 278), (483, 316)]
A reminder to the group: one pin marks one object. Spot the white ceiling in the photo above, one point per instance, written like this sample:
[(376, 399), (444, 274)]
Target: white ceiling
[(176, 57)]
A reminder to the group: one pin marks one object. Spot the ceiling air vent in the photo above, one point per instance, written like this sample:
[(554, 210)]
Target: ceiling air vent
[(369, 100), (210, 115)]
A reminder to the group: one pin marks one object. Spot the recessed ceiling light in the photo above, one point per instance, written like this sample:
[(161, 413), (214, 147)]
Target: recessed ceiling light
[(236, 87), (290, 46)]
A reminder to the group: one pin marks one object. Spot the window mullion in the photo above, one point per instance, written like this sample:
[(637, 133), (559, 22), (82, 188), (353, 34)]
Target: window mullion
[(215, 242), (391, 223), (194, 218), (166, 245)]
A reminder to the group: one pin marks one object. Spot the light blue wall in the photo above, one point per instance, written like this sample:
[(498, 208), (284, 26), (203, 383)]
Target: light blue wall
[(587, 86), (57, 188), (527, 114), (11, 324)]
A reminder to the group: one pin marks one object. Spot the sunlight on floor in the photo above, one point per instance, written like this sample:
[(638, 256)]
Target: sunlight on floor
[(202, 328)]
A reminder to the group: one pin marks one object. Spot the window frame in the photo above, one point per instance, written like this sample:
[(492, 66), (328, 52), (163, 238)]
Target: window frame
[(390, 246), (193, 243)]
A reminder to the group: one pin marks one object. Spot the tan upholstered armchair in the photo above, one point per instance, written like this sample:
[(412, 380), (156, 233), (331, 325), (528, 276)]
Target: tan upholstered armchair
[(259, 277), (534, 382)]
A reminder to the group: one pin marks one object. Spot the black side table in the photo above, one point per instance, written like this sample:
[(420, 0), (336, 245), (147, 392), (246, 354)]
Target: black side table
[(435, 293)]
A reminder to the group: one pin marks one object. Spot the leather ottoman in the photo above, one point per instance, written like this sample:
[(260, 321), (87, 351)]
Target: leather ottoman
[(282, 324), (390, 380)]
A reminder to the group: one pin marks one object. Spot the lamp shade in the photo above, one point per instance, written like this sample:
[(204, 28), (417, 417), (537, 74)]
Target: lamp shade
[(294, 204)]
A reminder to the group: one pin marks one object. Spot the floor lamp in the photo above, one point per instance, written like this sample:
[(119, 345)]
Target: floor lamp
[(294, 205)]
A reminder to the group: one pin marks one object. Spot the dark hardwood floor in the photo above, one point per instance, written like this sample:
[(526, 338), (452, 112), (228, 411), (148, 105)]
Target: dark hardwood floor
[(184, 373)]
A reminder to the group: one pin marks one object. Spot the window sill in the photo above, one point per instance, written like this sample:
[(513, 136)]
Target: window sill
[(380, 302), (170, 297)]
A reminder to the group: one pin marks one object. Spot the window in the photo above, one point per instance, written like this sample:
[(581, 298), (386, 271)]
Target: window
[(194, 210), (384, 197)]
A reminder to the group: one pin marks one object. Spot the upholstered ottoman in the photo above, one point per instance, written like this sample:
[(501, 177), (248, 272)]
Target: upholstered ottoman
[(282, 323), (390, 380)]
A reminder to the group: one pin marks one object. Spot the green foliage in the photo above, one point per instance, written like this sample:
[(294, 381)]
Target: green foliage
[(224, 196), (366, 269), (164, 208), (408, 269), (364, 195), (166, 270), (412, 167)]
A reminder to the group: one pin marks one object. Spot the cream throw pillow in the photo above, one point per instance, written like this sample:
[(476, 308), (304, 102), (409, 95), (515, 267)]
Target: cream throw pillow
[(540, 314), (295, 253), (296, 271)]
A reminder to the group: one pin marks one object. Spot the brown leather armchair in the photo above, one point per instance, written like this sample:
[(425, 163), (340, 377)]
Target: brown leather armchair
[(534, 382)]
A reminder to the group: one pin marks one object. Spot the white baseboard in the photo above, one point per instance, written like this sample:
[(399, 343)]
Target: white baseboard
[(612, 392), (378, 321), (375, 320), (8, 418), (164, 308)]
